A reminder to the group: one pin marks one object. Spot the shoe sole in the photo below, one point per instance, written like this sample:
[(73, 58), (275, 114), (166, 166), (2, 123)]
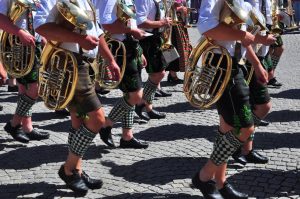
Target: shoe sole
[(22, 141)]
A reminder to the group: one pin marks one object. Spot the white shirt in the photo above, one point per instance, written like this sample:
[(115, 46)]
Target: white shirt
[(107, 13), (209, 18), (146, 10), (94, 31), (43, 12), (22, 22), (263, 51), (258, 5)]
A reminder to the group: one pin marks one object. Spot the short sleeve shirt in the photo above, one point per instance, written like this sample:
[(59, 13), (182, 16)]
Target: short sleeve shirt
[(22, 22), (146, 10), (94, 31)]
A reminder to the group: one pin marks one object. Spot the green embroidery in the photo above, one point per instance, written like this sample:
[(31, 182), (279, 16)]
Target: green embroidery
[(247, 114), (237, 125)]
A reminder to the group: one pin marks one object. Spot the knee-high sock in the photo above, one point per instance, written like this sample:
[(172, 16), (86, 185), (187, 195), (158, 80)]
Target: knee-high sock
[(80, 141), (119, 110), (225, 145), (275, 60), (24, 106), (149, 91), (127, 120)]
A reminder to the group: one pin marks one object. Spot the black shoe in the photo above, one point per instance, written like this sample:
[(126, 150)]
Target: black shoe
[(274, 82), (63, 112), (157, 93), (164, 93), (263, 123), (256, 158), (1, 108), (156, 114), (239, 158), (16, 132), (106, 136), (174, 80), (208, 188), (140, 113), (228, 192), (36, 135), (133, 143), (74, 182), (12, 89), (90, 182)]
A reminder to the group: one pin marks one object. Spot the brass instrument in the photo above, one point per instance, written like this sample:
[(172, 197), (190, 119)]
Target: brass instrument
[(58, 74), (205, 78), (100, 66), (291, 13), (275, 29), (169, 52), (17, 58)]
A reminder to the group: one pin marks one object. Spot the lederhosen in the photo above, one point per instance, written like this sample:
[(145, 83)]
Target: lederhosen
[(131, 82), (152, 47), (85, 99)]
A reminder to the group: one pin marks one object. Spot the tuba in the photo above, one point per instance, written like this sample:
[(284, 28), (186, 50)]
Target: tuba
[(17, 59), (275, 28), (100, 66), (205, 79), (58, 73)]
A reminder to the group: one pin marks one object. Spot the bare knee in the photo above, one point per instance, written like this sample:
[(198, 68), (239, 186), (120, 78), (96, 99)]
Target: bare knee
[(135, 97), (245, 133), (95, 121), (32, 91), (157, 77)]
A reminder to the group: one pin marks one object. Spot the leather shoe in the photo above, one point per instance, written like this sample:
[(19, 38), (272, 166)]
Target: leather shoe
[(157, 93), (228, 192), (90, 182), (208, 188), (74, 182), (1, 108), (174, 80), (133, 143), (164, 93), (239, 158), (36, 135), (273, 82), (256, 158), (263, 123), (12, 89), (139, 111), (16, 132), (106, 136), (153, 114)]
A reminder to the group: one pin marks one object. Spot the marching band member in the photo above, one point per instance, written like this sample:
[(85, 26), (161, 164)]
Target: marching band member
[(259, 96), (85, 101), (20, 127), (180, 39), (151, 18), (236, 121), (131, 84)]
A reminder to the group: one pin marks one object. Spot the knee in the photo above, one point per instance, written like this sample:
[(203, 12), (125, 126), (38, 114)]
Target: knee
[(136, 97), (157, 77), (246, 133), (32, 91), (268, 107), (96, 119)]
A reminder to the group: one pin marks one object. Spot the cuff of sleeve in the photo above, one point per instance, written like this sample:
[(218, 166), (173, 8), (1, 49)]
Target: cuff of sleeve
[(141, 20)]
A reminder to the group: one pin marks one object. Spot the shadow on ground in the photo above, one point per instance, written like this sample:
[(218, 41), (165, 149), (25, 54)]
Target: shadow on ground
[(288, 94), (153, 196), (157, 171), (283, 116), (177, 132), (26, 158)]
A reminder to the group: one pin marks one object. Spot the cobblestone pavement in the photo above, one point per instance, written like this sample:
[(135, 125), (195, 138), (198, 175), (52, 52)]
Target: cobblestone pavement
[(179, 146)]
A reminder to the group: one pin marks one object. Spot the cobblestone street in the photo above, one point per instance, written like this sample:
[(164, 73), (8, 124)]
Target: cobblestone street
[(179, 146)]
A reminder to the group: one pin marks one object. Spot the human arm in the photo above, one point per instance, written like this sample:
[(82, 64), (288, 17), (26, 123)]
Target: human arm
[(3, 75), (7, 25), (106, 54)]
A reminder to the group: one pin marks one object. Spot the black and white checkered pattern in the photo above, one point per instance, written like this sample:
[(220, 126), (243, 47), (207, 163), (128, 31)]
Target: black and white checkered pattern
[(72, 132), (80, 141), (149, 91), (256, 119), (24, 106), (119, 110), (225, 145), (275, 60), (127, 120)]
